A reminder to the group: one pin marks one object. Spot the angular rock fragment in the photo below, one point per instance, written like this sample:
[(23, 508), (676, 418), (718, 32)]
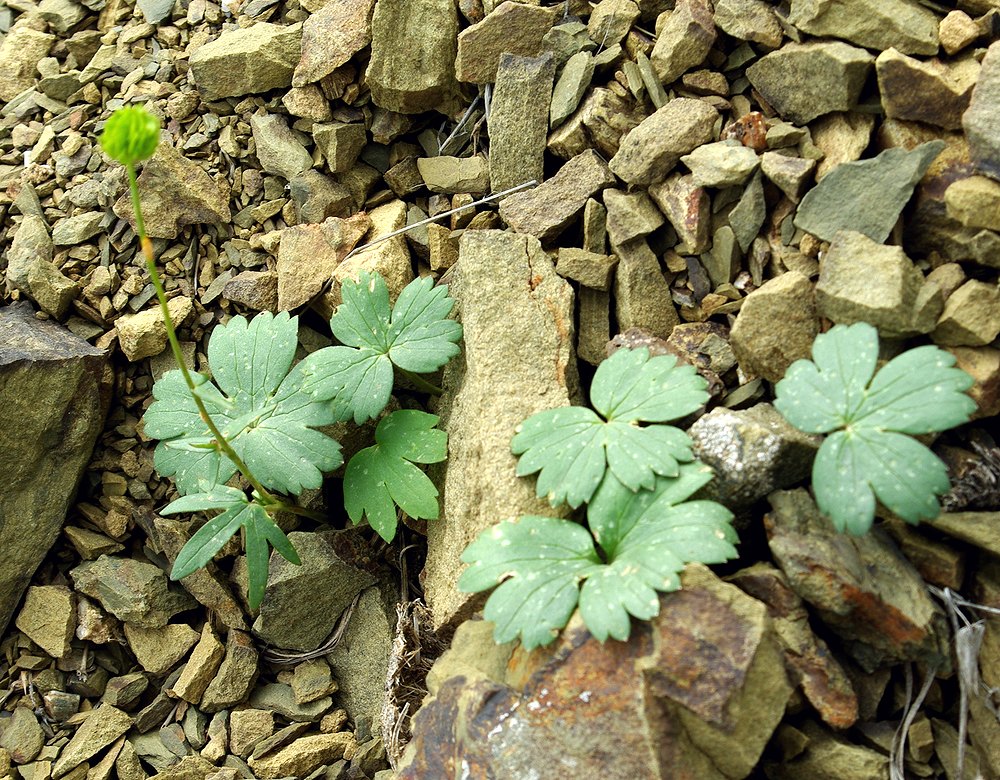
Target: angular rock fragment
[(235, 679), (453, 175), (825, 752), (548, 209), (517, 316), (688, 209), (511, 28), (956, 31), (331, 36), (158, 650), (930, 92), (519, 119), (22, 738), (861, 586), (280, 699), (975, 202), (630, 215), (304, 755), (721, 164), (747, 217), (672, 706), (979, 120), (20, 51), (175, 192), (753, 451), (144, 334), (648, 153), (54, 393), (201, 668), (247, 60), (309, 254), (278, 150), (866, 196), (412, 67), (863, 281), (905, 25), (574, 79), (764, 349), (791, 174), (102, 727), (588, 268), (749, 20), (302, 603), (684, 37), (837, 72), (48, 618), (611, 20), (642, 295), (971, 316), (841, 137), (132, 590)]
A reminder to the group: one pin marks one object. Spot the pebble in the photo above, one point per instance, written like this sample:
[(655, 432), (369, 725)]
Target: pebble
[(548, 209), (48, 617), (837, 72), (143, 335), (649, 152), (247, 60)]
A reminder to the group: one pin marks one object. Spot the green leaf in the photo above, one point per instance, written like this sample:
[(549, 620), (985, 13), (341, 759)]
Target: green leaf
[(130, 135), (266, 412), (382, 477), (647, 536), (414, 336), (918, 391), (539, 563), (572, 447), (852, 469)]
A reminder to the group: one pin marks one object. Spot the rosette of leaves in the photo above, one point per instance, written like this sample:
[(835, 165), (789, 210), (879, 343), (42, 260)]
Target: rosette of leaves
[(259, 405), (572, 447), (637, 544), (870, 418), (414, 337)]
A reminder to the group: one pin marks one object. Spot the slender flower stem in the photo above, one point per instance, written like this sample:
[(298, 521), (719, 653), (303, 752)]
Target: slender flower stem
[(419, 382), (221, 443)]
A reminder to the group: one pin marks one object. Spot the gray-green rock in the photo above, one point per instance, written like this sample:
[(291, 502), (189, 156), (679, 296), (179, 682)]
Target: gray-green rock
[(649, 152), (331, 36), (102, 727), (971, 316), (341, 144), (748, 215), (548, 209), (721, 164), (511, 28), (588, 268), (278, 150), (302, 603), (684, 37), (752, 451), (517, 316), (236, 676), (312, 680), (861, 280), (22, 737), (980, 122), (76, 230), (452, 175), (54, 394), (749, 20), (764, 349), (247, 60), (573, 81), (865, 196), (642, 295), (48, 617), (175, 192), (611, 20), (412, 67), (836, 74), (630, 215), (932, 92), (791, 174), (280, 699), (132, 590), (519, 119), (905, 25)]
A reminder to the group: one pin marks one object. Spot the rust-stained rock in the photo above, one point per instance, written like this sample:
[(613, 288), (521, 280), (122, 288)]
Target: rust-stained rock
[(685, 698), (861, 586), (688, 208), (807, 657)]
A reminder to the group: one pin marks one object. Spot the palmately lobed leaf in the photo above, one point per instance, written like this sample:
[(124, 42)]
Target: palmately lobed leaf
[(382, 477), (269, 418), (539, 563), (631, 386), (414, 336)]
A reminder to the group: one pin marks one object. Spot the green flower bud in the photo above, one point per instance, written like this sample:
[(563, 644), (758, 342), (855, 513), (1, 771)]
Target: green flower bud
[(131, 135)]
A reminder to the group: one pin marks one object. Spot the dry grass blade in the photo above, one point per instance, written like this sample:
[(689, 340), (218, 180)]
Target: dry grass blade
[(281, 658)]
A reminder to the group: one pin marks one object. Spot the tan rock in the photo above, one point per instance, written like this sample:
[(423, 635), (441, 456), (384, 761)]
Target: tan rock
[(48, 617), (159, 650), (144, 334), (451, 175), (247, 728), (20, 52), (971, 316), (304, 755), (588, 268), (932, 92), (331, 36), (103, 726), (512, 28), (983, 365), (684, 37), (201, 667), (975, 202), (956, 31), (236, 676)]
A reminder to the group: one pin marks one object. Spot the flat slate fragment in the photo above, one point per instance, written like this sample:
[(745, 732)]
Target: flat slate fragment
[(866, 196), (548, 209)]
